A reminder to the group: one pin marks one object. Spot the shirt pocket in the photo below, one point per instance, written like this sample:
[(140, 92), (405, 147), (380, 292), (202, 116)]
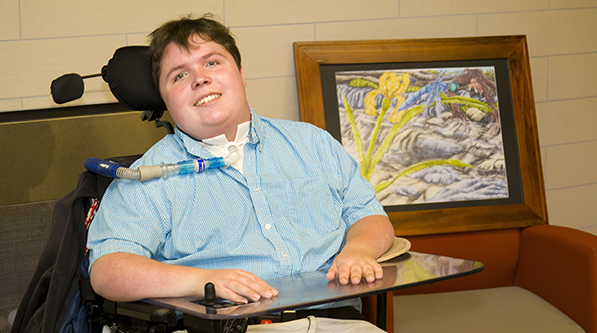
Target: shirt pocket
[(311, 206)]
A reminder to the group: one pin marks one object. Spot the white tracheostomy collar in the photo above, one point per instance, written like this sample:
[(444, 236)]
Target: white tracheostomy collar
[(218, 145)]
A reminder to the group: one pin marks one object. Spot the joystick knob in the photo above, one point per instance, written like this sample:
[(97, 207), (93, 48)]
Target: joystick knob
[(210, 294)]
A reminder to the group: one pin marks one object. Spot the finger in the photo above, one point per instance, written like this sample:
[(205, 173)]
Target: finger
[(258, 289), (237, 287), (356, 272), (267, 290), (332, 272), (378, 272), (344, 274), (230, 295), (245, 289), (263, 289), (369, 273), (257, 285)]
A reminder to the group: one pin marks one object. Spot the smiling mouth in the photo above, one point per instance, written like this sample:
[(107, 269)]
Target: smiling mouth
[(207, 99)]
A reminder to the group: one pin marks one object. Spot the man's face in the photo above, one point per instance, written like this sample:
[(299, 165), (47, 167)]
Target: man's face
[(203, 89)]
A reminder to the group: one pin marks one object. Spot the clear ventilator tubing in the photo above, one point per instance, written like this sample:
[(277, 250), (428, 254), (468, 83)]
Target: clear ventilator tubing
[(143, 173)]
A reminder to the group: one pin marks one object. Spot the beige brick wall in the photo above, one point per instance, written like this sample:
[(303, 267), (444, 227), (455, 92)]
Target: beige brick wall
[(41, 40)]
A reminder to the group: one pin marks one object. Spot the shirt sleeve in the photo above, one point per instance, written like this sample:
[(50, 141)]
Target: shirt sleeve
[(358, 195), (128, 220)]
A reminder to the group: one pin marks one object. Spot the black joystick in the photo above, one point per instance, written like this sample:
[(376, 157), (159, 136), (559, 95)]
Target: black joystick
[(210, 294)]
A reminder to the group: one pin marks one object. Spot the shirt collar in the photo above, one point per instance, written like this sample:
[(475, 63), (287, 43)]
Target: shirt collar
[(191, 145), (242, 132), (256, 130)]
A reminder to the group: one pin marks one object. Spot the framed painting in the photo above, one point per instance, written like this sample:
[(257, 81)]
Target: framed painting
[(444, 129)]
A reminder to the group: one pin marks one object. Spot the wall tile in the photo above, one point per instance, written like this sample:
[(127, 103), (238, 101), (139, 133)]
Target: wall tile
[(66, 18), (572, 76), (573, 207), (398, 28), (566, 122), (9, 20), (274, 97), (549, 32), (543, 161), (241, 13), (264, 56), (571, 165), (558, 4), (539, 76), (28, 67), (410, 8), (10, 104), (138, 39)]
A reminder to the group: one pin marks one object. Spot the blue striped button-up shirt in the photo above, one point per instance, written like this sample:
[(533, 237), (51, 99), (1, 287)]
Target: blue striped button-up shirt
[(289, 213)]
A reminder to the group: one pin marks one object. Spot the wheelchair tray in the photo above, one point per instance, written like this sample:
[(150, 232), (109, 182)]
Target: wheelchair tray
[(312, 288)]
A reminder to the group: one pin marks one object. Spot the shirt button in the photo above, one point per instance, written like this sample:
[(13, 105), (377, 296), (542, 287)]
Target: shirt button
[(268, 226), (256, 189), (284, 255)]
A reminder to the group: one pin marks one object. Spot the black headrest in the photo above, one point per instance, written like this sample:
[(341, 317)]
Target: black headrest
[(128, 74), (67, 88)]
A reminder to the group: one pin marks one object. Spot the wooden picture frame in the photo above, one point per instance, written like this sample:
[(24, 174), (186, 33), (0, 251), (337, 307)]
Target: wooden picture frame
[(311, 59)]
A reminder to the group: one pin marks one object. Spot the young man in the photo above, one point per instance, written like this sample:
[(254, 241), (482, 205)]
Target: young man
[(293, 202)]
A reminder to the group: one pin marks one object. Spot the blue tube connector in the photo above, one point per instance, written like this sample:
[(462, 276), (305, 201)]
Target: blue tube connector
[(102, 167), (196, 165)]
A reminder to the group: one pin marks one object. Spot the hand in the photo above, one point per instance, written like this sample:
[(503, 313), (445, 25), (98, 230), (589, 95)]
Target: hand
[(233, 284), (352, 265)]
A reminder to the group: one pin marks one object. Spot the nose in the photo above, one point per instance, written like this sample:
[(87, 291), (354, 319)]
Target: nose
[(201, 77)]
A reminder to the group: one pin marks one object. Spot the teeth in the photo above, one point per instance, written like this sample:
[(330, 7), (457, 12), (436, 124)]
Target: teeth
[(207, 99)]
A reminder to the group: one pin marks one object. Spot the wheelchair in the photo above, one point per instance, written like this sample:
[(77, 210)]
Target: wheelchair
[(60, 297)]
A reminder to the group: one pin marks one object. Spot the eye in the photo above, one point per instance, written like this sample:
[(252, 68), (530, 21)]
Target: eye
[(178, 77), (211, 63)]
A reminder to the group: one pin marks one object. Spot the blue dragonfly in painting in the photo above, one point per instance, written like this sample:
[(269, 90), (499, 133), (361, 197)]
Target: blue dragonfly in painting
[(431, 94)]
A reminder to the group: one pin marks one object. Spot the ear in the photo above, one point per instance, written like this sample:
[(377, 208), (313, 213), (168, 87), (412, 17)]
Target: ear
[(242, 76)]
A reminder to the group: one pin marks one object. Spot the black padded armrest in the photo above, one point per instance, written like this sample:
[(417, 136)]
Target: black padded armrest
[(142, 311)]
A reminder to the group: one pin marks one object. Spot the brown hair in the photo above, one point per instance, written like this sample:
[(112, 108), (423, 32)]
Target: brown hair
[(179, 31)]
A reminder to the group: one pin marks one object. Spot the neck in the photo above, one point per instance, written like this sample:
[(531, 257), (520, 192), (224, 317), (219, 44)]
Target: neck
[(241, 133), (229, 130)]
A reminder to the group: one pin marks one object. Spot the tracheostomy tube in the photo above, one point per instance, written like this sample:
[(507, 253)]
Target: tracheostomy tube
[(147, 172)]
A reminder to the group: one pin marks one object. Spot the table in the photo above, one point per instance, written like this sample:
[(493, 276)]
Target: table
[(312, 288)]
